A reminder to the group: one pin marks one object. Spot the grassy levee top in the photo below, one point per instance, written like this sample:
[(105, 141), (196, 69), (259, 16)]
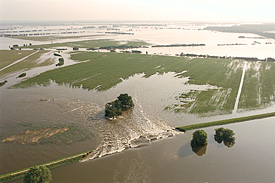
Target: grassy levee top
[(224, 122), (8, 177), (102, 71)]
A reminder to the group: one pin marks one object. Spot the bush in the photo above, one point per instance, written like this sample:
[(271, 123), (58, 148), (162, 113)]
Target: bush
[(61, 62), (22, 75)]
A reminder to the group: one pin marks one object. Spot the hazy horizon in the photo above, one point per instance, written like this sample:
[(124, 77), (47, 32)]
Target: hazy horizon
[(133, 10)]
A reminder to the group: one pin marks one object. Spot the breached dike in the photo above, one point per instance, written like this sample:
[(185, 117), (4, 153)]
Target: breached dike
[(105, 149), (124, 133)]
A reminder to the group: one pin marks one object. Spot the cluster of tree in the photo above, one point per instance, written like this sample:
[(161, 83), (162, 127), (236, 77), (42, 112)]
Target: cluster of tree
[(38, 174), (232, 44), (27, 44), (179, 45), (118, 47), (199, 140), (269, 59), (3, 83), (225, 135), (115, 108), (136, 51), (22, 75), (129, 33), (56, 54), (61, 62)]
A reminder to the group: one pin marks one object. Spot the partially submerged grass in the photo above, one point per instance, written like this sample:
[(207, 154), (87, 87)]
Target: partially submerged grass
[(259, 85), (7, 57), (95, 43), (102, 71), (26, 64), (50, 38), (224, 122), (49, 134)]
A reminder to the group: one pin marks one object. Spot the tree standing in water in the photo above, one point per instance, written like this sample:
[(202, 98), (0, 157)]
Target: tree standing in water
[(38, 174)]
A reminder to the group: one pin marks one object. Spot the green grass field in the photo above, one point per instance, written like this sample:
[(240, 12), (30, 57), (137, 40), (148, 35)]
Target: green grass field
[(95, 43), (9, 56), (28, 63), (105, 70)]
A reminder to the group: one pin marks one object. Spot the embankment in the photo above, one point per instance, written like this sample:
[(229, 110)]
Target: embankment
[(53, 164), (224, 122)]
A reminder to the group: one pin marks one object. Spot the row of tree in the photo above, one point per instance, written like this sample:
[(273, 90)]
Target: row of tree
[(222, 135)]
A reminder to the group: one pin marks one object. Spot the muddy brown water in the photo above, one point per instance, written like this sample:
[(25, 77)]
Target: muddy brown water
[(250, 160), (167, 160), (43, 106)]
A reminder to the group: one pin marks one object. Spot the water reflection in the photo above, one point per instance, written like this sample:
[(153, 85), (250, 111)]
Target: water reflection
[(186, 151), (229, 143), (199, 150)]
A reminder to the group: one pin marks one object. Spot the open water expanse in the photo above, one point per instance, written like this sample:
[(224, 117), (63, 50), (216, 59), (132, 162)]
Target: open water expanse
[(154, 151)]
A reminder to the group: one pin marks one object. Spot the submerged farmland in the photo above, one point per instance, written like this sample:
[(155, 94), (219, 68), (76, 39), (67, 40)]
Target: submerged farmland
[(102, 71)]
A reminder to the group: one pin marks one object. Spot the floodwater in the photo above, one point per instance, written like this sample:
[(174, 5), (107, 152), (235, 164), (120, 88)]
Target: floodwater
[(251, 159), (142, 156), (147, 121)]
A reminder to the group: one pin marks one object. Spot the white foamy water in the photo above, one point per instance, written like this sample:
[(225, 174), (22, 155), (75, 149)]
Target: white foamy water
[(134, 129)]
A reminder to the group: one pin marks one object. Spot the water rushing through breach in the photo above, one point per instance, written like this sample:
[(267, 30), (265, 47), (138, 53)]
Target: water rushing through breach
[(135, 128)]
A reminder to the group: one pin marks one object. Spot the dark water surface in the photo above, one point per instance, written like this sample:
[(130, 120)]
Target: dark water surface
[(250, 160)]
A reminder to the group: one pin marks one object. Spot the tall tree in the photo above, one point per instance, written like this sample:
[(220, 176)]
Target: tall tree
[(38, 174), (199, 138)]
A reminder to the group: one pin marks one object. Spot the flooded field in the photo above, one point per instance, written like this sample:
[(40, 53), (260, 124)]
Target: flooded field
[(66, 116)]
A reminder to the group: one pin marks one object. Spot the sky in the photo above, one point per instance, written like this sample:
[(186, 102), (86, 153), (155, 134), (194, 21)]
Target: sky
[(138, 10)]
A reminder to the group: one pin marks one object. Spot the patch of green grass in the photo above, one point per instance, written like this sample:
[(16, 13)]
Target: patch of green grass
[(224, 122), (90, 44), (27, 64), (7, 57)]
